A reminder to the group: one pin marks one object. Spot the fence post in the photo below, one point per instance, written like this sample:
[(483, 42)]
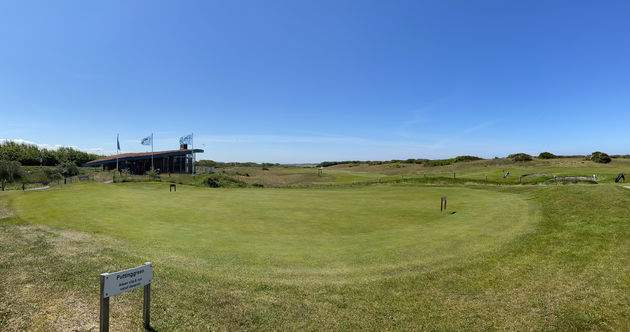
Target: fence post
[(453, 175), (104, 306), (486, 179), (146, 305)]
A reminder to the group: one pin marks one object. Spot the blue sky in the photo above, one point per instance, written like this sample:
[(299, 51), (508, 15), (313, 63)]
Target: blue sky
[(306, 81)]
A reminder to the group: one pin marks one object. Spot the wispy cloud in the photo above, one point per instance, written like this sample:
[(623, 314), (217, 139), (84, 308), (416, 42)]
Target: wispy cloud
[(281, 139), (407, 125), (479, 126)]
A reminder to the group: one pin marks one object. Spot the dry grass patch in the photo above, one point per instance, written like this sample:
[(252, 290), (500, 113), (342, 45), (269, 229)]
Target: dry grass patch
[(43, 275)]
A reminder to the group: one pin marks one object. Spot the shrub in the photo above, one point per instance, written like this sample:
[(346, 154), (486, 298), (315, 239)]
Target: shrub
[(152, 172), (10, 170), (520, 157), (68, 168), (53, 173), (599, 157), (223, 181), (466, 158), (333, 163), (547, 155)]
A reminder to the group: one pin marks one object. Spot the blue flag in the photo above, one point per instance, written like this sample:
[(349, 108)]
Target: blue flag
[(147, 140), (186, 139), (117, 143)]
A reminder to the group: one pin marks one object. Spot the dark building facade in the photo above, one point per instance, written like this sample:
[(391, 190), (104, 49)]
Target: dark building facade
[(173, 161)]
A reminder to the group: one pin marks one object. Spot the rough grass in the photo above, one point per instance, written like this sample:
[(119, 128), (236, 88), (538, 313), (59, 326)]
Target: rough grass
[(473, 172)]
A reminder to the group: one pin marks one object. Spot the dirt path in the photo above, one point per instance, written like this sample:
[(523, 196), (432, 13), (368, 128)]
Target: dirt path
[(38, 188)]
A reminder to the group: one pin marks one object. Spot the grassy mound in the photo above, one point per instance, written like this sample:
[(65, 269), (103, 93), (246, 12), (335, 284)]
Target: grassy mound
[(599, 157)]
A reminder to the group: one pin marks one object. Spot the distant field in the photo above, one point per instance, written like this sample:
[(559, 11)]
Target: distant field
[(375, 257), (475, 171)]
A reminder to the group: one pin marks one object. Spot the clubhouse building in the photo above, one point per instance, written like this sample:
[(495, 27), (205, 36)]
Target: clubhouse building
[(172, 161)]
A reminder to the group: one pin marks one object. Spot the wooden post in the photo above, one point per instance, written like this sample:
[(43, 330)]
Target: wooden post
[(104, 307), (146, 305), (486, 179), (520, 179), (453, 175)]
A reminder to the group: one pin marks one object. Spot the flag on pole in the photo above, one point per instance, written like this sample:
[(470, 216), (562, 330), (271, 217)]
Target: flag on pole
[(186, 139), (117, 142), (147, 140)]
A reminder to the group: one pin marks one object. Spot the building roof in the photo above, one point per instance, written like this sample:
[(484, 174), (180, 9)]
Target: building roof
[(140, 156)]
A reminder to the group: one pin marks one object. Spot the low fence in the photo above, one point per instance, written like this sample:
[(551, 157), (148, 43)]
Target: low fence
[(29, 185)]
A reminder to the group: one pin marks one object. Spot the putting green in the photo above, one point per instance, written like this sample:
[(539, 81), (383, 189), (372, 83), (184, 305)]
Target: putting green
[(288, 235)]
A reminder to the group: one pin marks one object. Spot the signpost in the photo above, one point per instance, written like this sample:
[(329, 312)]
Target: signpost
[(122, 281)]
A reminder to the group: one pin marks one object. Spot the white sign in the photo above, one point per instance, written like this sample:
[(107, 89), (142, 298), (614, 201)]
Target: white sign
[(122, 281)]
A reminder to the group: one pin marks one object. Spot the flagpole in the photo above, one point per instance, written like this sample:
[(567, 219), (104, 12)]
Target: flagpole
[(152, 168), (192, 145), (117, 150)]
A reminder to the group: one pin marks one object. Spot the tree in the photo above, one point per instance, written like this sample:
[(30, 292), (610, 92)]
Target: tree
[(68, 168), (10, 170)]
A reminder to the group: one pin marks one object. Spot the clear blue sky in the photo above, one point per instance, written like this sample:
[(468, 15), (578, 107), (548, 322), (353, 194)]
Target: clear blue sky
[(305, 81)]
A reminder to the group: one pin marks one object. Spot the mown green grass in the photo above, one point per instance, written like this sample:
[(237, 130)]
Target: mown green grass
[(288, 234), (378, 257)]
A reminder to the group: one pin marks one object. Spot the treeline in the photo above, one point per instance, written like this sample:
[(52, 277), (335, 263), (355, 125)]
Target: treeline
[(29, 155), (597, 156), (426, 162)]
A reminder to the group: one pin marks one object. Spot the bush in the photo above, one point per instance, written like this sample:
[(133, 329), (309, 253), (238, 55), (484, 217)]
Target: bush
[(547, 155), (68, 168), (520, 157), (10, 170), (333, 163), (53, 173), (152, 172), (466, 158), (223, 181), (599, 157)]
